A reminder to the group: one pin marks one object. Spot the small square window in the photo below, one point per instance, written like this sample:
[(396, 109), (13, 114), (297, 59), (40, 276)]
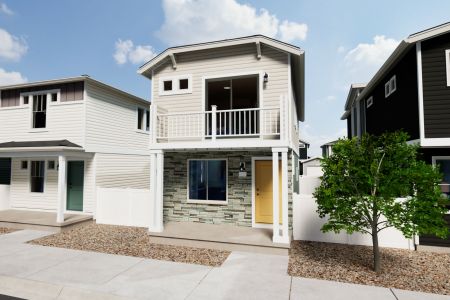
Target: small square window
[(167, 85), (184, 84), (390, 86), (54, 97), (369, 102), (51, 165), (26, 100), (24, 164)]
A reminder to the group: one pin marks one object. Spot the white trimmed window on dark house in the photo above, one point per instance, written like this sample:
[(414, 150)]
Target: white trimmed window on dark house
[(369, 102), (39, 111), (447, 64), (143, 119), (390, 86), (207, 181), (37, 176)]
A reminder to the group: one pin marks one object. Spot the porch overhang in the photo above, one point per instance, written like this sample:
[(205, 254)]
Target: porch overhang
[(40, 149)]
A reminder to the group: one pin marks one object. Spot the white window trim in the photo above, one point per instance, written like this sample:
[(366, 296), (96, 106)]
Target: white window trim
[(214, 202), (175, 85), (369, 101), (433, 161), (49, 96), (144, 125), (44, 188), (391, 85), (447, 64)]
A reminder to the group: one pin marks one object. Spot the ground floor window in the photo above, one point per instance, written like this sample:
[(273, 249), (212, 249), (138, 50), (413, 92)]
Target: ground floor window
[(207, 180), (444, 167), (37, 176), (5, 171)]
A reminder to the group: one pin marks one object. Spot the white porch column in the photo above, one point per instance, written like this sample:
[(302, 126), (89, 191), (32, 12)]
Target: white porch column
[(62, 185), (156, 190), (275, 197), (284, 195)]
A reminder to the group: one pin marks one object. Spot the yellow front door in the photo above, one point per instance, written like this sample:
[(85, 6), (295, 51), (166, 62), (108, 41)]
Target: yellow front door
[(264, 191)]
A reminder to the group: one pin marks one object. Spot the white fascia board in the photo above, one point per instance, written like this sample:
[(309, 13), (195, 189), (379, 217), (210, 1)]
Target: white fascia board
[(218, 145), (226, 43)]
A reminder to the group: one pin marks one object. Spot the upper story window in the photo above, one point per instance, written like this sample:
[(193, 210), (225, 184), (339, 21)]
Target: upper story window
[(39, 111), (369, 102), (143, 119), (181, 84), (390, 86), (447, 64)]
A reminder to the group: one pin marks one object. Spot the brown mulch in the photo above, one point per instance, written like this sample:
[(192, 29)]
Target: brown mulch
[(4, 230), (130, 241), (402, 269)]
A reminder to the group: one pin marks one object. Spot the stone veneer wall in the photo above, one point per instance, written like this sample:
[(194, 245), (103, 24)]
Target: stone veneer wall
[(238, 211)]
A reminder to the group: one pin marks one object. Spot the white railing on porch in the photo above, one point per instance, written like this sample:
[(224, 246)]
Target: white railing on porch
[(215, 124)]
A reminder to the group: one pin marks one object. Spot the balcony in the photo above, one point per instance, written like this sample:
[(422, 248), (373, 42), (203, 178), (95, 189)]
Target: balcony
[(255, 124)]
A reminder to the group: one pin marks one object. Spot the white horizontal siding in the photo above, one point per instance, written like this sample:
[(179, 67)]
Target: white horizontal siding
[(111, 124), (64, 122), (122, 171), (229, 60), (21, 197)]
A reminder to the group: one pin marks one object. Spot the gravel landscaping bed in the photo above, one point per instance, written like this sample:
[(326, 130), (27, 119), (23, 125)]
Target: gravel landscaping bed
[(402, 269), (4, 230), (130, 241)]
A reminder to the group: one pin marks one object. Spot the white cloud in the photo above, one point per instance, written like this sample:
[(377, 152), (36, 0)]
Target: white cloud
[(126, 51), (5, 9), (341, 49), (365, 59), (316, 140), (190, 21), (291, 31), (7, 78), (11, 48)]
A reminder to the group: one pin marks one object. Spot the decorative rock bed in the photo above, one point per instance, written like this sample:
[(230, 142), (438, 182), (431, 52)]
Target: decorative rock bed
[(402, 269), (4, 230), (130, 241)]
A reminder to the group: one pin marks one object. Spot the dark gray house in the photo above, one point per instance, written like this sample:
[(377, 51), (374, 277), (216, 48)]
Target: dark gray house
[(410, 92), (303, 149)]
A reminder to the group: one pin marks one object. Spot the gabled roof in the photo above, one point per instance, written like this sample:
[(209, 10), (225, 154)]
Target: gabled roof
[(329, 143), (353, 93), (398, 53), (146, 68), (297, 60), (85, 78)]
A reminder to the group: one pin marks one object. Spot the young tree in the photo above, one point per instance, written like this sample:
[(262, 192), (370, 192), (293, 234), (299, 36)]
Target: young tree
[(376, 182)]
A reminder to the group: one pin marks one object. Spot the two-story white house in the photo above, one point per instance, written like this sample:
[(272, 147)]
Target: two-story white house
[(224, 133), (62, 139)]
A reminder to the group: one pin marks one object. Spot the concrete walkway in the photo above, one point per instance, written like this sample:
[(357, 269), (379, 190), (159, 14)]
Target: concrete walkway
[(36, 272)]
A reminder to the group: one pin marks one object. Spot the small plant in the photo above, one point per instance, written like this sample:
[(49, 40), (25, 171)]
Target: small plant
[(377, 182)]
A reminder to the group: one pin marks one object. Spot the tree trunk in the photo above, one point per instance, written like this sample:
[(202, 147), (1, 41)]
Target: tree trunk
[(376, 251)]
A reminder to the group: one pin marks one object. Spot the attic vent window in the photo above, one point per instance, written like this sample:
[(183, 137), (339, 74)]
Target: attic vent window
[(390, 86), (168, 85), (447, 63), (180, 84), (369, 102)]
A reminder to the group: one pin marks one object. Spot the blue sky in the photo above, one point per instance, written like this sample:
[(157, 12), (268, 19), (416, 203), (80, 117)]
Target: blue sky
[(345, 41)]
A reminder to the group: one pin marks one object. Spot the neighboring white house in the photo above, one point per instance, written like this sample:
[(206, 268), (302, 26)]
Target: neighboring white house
[(62, 139), (224, 128)]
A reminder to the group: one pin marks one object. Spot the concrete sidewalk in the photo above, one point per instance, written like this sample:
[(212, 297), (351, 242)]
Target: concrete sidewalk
[(36, 272)]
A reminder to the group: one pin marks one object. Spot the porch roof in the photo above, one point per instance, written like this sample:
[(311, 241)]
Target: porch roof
[(38, 147), (34, 144)]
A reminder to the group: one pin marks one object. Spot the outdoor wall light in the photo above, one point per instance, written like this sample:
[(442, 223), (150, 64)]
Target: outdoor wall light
[(266, 78)]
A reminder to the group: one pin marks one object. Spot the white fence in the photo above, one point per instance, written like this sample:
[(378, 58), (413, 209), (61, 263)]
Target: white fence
[(4, 196), (307, 223), (127, 207)]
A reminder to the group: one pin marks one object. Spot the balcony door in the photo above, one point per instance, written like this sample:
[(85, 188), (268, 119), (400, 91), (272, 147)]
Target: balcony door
[(234, 99)]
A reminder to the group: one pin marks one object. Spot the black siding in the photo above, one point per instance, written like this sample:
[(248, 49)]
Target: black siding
[(303, 153), (436, 94), (349, 126), (400, 111)]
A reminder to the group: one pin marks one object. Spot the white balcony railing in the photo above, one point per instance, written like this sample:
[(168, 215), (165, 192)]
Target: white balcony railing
[(216, 124)]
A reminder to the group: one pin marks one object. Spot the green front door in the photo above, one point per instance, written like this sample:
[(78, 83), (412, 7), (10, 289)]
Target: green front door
[(75, 183)]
